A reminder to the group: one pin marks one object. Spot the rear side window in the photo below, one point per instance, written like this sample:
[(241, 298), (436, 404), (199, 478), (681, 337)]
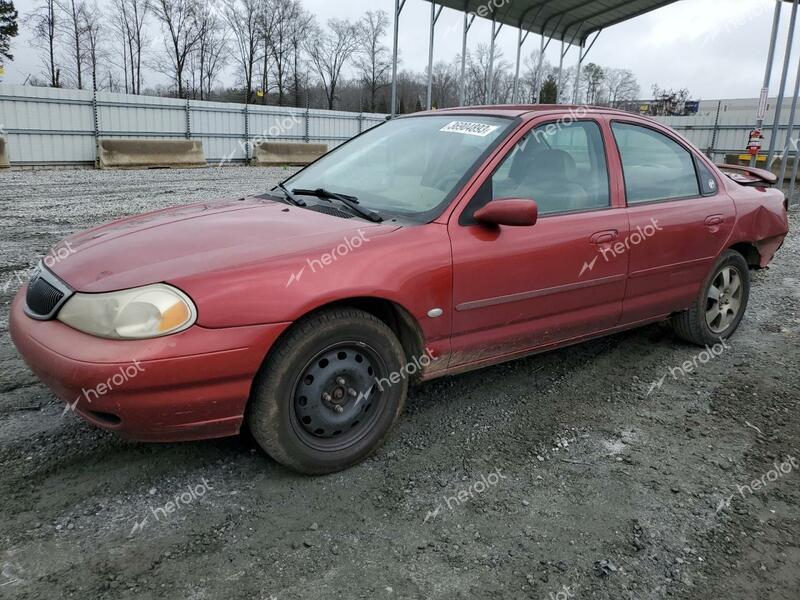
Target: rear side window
[(655, 167), (560, 165)]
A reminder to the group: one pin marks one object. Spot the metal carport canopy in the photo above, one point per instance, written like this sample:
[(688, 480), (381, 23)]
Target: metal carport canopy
[(571, 21)]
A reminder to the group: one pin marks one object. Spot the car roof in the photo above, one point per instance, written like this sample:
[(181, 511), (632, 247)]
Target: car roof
[(522, 110)]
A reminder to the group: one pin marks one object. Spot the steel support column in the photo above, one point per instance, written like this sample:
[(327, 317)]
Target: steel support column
[(562, 53), (576, 91), (793, 185), (537, 90), (790, 130), (467, 25), (434, 18), (490, 84), (520, 42), (776, 20), (782, 90), (582, 54), (398, 8)]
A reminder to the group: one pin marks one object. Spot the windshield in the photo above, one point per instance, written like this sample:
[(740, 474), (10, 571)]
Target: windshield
[(409, 167)]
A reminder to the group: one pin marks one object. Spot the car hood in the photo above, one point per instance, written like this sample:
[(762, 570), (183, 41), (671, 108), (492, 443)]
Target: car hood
[(180, 242)]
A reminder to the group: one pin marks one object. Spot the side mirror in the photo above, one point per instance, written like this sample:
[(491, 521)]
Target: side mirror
[(515, 212)]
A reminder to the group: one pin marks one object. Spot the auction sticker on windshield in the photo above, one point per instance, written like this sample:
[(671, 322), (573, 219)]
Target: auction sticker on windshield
[(467, 128)]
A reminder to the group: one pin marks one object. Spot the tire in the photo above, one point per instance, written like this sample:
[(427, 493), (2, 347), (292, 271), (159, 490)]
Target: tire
[(317, 405), (696, 325)]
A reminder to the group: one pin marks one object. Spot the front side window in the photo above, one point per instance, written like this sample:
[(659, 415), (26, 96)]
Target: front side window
[(562, 166), (655, 167), (410, 166)]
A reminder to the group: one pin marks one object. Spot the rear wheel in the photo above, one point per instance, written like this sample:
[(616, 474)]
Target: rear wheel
[(719, 308), (323, 401)]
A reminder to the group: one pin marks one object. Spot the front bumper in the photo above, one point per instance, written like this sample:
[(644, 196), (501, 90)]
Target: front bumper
[(189, 386)]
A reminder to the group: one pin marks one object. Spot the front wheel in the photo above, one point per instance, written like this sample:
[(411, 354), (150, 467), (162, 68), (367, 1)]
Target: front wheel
[(718, 310), (329, 392)]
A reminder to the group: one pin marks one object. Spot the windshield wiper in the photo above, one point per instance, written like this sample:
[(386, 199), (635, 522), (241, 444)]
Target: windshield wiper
[(350, 201), (291, 197)]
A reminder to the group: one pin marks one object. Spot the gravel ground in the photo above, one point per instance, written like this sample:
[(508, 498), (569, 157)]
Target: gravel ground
[(555, 477)]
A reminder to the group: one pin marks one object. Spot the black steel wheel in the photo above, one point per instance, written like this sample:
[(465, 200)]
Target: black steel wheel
[(323, 400), (334, 395)]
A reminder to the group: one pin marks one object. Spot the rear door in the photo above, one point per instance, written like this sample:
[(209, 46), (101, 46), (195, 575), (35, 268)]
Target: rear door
[(521, 288), (680, 220)]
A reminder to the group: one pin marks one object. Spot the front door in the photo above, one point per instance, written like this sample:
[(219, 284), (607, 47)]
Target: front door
[(516, 289)]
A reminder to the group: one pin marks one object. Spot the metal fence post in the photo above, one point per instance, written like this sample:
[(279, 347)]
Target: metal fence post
[(711, 150), (188, 119), (360, 122), (246, 134), (96, 118), (307, 135)]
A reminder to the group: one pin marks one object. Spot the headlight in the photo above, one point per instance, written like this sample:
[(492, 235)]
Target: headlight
[(145, 312)]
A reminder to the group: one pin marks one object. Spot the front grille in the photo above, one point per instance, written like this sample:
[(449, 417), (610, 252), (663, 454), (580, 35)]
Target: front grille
[(42, 298), (330, 210), (46, 293)]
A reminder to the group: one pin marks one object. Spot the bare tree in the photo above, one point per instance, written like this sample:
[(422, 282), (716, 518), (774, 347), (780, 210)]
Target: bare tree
[(130, 18), (44, 22), (621, 86), (478, 70), (212, 49), (279, 45), (91, 18), (303, 25), (594, 76), (444, 84), (373, 60), (668, 102), (331, 52), (179, 21), (73, 31), (244, 22)]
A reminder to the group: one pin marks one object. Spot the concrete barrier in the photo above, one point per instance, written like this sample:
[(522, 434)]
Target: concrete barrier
[(149, 154), (777, 162), (277, 154), (744, 161), (4, 162)]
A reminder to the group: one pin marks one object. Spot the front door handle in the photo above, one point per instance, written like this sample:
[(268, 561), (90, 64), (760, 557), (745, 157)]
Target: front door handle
[(604, 237)]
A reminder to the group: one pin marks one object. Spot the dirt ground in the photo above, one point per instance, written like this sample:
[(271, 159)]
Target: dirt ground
[(567, 475)]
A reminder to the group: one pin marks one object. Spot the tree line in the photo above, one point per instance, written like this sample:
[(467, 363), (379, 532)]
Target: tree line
[(278, 53)]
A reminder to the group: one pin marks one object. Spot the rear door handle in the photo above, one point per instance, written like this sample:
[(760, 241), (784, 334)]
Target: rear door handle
[(714, 220), (604, 237)]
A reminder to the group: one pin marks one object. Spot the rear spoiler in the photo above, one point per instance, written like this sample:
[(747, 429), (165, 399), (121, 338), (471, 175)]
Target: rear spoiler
[(750, 176)]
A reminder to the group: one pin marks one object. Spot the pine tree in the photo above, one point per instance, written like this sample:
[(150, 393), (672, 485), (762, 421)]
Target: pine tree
[(8, 28)]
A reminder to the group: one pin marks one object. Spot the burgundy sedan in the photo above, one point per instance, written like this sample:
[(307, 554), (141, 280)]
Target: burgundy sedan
[(430, 245)]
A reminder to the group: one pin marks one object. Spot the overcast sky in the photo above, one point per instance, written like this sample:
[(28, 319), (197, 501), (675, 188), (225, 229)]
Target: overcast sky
[(716, 48)]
